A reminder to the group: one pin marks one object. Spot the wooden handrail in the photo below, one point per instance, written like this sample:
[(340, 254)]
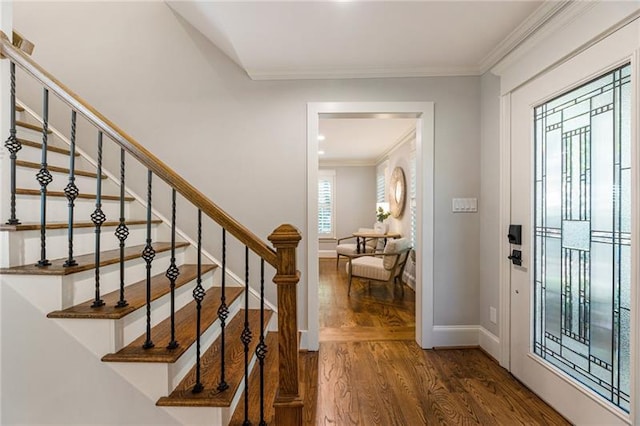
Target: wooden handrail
[(135, 149), (22, 43)]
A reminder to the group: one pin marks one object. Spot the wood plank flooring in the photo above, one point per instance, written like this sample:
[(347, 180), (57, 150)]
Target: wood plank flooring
[(364, 378)]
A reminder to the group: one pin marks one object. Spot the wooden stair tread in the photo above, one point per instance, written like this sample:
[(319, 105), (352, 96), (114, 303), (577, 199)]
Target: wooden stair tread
[(19, 108), (51, 148), (210, 367), (30, 126), (32, 226), (185, 330), (270, 387), (56, 169), (135, 294), (87, 261), (24, 191)]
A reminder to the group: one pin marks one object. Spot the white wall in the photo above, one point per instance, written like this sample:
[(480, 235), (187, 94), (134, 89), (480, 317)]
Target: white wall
[(355, 200), (242, 142), (48, 391), (489, 206), (399, 157)]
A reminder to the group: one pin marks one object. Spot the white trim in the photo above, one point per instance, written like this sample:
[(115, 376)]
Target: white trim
[(458, 71), (571, 36), (408, 136), (504, 267), (324, 254), (466, 335), (455, 335), (532, 24), (425, 131), (489, 342)]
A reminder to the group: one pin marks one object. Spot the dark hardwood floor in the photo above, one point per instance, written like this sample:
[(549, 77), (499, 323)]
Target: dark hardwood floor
[(370, 371)]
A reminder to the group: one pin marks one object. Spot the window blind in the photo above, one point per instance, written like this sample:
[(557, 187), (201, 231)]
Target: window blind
[(326, 204)]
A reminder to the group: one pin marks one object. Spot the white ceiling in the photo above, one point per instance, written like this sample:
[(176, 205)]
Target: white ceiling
[(359, 39), (331, 39), (360, 141)]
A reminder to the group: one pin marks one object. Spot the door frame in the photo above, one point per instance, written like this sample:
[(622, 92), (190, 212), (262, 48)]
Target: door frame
[(425, 142), (505, 219)]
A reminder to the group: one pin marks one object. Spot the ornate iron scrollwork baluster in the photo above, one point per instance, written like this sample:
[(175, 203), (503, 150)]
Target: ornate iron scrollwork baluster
[(223, 314), (148, 254), (198, 295), (71, 190), (261, 349), (98, 218), (13, 145), (245, 337), (173, 272), (122, 231), (44, 178)]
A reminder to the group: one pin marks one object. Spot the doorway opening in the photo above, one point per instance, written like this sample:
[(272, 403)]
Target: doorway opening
[(422, 114)]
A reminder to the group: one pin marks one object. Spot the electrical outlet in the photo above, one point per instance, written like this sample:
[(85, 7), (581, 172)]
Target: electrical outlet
[(493, 315)]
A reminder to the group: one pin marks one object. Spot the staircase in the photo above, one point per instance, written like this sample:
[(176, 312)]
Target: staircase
[(193, 341)]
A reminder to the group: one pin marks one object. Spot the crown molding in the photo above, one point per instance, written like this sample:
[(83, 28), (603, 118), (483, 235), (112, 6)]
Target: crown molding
[(331, 74), (524, 31), (564, 15), (408, 136)]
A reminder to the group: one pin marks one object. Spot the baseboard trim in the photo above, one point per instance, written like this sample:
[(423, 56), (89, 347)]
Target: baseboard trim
[(327, 253), (304, 340), (455, 335), (489, 342), (460, 336)]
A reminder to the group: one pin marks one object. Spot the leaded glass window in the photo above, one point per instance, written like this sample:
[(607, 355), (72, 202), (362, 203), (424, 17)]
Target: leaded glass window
[(583, 234)]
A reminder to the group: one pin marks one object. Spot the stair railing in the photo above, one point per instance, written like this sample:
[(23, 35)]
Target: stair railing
[(284, 239)]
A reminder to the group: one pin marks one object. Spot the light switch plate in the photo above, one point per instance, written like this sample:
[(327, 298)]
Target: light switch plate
[(464, 205)]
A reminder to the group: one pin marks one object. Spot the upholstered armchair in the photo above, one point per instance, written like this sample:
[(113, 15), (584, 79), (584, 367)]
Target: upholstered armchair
[(351, 249), (385, 267)]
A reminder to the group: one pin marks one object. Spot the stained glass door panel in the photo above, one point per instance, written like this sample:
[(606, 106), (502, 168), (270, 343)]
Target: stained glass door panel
[(583, 234)]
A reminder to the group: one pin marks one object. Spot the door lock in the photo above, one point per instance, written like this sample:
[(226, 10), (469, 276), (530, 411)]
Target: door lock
[(516, 257)]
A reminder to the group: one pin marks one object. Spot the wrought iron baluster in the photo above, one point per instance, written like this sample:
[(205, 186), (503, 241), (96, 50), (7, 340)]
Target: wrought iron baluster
[(148, 254), (98, 218), (198, 295), (173, 272), (44, 178), (71, 190), (261, 349), (13, 145), (223, 314), (245, 337), (122, 231)]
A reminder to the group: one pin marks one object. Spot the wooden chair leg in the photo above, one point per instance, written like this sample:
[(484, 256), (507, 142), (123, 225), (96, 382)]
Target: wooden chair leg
[(337, 260), (350, 279)]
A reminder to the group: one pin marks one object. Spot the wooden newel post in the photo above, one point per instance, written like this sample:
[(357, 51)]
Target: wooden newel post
[(288, 403)]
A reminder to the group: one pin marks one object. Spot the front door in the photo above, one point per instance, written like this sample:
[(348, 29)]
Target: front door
[(571, 190)]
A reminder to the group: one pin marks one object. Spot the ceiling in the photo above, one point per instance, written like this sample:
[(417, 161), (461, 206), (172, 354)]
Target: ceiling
[(362, 39), (360, 141), (342, 39)]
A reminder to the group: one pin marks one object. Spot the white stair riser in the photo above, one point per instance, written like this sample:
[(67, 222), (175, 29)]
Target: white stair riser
[(108, 336), (160, 381), (134, 324), (26, 244), (32, 135), (28, 209), (80, 287), (34, 155), (26, 178), (182, 366), (210, 416)]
